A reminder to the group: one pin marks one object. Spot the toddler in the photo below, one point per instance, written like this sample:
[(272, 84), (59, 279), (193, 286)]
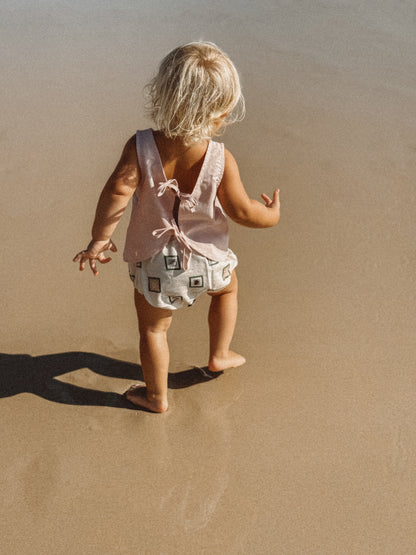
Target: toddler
[(183, 185)]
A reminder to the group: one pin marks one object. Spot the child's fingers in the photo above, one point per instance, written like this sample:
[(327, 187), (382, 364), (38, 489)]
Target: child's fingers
[(269, 202), (93, 266), (82, 264), (101, 259), (266, 199), (83, 256)]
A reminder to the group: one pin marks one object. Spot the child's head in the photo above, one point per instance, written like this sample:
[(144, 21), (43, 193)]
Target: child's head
[(195, 92)]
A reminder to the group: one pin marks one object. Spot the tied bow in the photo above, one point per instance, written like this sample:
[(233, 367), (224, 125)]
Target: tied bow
[(172, 227), (172, 184)]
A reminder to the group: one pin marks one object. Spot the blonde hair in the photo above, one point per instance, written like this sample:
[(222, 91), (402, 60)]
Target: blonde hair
[(197, 87)]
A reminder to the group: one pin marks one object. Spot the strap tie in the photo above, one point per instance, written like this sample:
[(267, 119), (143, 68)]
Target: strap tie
[(172, 228), (172, 184)]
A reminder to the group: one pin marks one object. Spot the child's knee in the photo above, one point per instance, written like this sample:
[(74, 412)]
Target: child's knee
[(155, 325)]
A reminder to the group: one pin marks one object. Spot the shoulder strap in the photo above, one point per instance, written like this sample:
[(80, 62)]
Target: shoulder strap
[(148, 156), (143, 144), (214, 168)]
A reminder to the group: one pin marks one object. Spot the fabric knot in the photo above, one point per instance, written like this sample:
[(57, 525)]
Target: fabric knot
[(170, 184), (172, 228)]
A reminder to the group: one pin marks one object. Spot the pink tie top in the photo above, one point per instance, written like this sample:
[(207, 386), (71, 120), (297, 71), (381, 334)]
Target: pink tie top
[(201, 224)]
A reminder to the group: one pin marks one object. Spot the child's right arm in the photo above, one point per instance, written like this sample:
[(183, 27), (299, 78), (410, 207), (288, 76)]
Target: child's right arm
[(111, 205), (237, 204)]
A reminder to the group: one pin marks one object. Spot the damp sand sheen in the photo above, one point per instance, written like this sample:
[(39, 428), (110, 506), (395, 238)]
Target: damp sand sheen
[(310, 446)]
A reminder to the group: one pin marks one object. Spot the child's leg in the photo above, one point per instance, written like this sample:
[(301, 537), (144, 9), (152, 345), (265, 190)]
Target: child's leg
[(222, 318), (154, 355)]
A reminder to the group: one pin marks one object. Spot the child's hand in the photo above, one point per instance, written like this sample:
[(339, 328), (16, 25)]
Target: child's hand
[(95, 251), (274, 203)]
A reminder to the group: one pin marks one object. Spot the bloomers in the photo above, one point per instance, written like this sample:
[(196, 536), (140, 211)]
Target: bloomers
[(166, 284)]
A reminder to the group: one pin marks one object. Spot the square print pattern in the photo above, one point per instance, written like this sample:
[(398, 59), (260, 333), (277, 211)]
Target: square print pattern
[(154, 284), (175, 299), (172, 262), (196, 281), (226, 272)]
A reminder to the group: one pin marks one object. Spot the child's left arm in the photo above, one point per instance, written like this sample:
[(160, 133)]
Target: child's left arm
[(111, 205)]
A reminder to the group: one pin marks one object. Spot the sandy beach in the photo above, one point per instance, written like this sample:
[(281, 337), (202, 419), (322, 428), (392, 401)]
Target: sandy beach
[(310, 447)]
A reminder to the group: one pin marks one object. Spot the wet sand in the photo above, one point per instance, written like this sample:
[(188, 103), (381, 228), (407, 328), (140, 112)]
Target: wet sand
[(309, 447)]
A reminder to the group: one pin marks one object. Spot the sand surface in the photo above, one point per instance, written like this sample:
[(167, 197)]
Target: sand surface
[(308, 448)]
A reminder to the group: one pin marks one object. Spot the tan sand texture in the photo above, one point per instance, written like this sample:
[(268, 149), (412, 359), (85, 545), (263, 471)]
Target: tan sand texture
[(310, 447)]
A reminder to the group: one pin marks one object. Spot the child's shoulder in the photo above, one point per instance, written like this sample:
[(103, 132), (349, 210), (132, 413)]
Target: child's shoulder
[(130, 144), (128, 163), (129, 149), (230, 163)]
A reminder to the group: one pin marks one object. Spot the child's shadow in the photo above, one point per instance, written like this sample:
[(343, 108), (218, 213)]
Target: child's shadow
[(27, 374)]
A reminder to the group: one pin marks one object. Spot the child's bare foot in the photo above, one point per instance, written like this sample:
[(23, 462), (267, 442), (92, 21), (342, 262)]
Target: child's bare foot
[(137, 394), (230, 360)]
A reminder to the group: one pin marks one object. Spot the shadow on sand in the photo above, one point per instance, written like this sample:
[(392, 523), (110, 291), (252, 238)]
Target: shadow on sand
[(27, 374)]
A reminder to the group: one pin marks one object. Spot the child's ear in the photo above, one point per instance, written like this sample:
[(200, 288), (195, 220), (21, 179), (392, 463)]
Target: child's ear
[(220, 119)]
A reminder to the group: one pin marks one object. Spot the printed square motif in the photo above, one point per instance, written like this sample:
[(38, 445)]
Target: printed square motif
[(196, 281), (154, 284), (226, 272), (175, 299), (138, 264), (212, 262), (172, 262)]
